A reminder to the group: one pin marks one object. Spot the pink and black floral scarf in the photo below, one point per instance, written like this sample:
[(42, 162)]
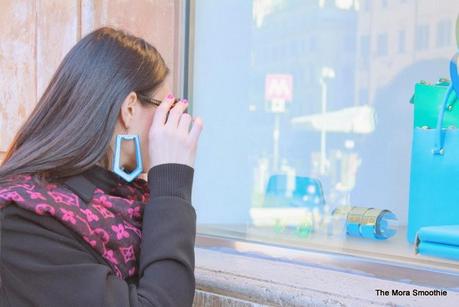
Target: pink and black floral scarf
[(111, 222)]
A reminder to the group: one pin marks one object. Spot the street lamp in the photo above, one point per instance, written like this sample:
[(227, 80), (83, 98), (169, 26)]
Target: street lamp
[(326, 73)]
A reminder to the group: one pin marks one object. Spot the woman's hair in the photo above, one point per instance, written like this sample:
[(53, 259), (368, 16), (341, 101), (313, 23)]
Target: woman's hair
[(72, 124)]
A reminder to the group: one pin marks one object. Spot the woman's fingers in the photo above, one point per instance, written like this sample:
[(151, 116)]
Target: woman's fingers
[(196, 130), (184, 123), (170, 138), (175, 114), (162, 110), (184, 127)]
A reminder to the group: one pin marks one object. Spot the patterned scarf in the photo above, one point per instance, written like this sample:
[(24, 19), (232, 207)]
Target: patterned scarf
[(111, 223)]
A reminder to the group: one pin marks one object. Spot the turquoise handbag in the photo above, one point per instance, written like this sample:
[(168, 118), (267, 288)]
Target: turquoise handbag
[(427, 100), (434, 178)]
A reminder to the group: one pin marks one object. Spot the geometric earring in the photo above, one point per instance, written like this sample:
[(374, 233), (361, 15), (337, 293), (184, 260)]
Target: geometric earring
[(117, 155)]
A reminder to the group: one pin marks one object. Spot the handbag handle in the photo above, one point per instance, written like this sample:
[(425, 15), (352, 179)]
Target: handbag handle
[(453, 87)]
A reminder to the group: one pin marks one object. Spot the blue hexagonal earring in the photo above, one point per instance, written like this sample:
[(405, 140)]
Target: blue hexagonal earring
[(117, 155)]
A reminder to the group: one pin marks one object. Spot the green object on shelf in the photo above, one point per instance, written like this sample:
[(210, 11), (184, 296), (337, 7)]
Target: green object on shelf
[(278, 227), (427, 100), (304, 230)]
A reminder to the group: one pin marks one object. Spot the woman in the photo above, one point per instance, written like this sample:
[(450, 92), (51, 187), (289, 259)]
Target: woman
[(79, 227)]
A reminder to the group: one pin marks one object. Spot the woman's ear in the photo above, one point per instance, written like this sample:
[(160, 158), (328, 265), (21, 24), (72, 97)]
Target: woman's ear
[(128, 109)]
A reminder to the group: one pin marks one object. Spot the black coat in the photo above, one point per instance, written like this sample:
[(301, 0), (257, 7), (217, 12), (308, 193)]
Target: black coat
[(44, 263)]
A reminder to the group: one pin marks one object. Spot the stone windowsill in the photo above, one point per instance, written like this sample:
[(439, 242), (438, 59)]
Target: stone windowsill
[(241, 280)]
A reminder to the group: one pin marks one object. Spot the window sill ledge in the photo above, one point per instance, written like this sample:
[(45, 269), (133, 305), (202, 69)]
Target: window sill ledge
[(247, 281)]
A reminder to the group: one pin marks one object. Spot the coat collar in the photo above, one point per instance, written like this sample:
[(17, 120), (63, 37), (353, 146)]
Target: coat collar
[(86, 183)]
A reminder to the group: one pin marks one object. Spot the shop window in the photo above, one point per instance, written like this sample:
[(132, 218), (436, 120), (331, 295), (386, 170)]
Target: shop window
[(300, 170)]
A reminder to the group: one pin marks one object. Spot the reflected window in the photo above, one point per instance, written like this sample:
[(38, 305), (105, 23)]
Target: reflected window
[(365, 49), (367, 5), (401, 41), (422, 37), (443, 33), (382, 44)]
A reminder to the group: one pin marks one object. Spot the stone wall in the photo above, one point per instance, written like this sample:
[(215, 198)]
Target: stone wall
[(36, 34)]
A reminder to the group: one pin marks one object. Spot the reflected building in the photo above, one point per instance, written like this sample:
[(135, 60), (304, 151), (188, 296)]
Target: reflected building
[(399, 44), (392, 35), (376, 49), (303, 39)]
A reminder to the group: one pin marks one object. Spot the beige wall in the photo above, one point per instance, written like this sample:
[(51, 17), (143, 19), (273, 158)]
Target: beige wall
[(36, 34)]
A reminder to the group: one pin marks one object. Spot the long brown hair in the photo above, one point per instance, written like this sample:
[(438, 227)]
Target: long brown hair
[(72, 124)]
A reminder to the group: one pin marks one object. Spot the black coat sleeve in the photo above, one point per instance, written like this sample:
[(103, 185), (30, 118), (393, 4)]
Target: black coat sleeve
[(43, 264)]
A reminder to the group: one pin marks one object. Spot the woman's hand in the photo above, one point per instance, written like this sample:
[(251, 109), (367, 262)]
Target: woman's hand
[(170, 140)]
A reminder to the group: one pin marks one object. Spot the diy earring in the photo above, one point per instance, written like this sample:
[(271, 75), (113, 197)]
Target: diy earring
[(117, 157)]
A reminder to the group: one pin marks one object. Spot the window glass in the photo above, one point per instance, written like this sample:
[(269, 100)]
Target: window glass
[(308, 120)]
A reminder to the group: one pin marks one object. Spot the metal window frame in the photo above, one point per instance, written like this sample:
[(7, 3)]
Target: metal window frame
[(398, 271)]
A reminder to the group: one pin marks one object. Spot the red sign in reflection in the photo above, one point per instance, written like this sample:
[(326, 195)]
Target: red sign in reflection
[(279, 87)]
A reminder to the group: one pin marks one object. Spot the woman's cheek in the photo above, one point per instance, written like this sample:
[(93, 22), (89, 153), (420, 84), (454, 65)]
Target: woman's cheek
[(146, 155), (146, 149), (145, 141)]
